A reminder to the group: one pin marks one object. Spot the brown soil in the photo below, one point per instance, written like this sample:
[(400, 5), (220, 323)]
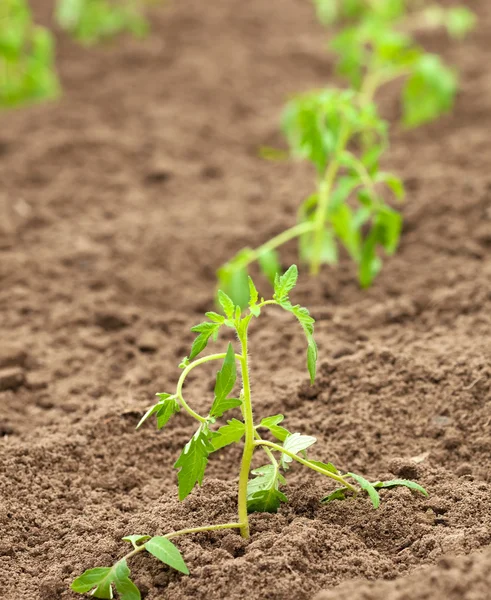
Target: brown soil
[(118, 203)]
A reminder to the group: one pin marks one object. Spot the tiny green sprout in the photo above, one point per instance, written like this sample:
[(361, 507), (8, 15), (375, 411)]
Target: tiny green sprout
[(90, 21), (265, 490), (339, 132), (26, 57)]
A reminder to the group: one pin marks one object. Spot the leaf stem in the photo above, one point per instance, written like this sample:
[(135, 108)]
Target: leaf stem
[(185, 373), (249, 440), (306, 463), (280, 239), (174, 534), (266, 303)]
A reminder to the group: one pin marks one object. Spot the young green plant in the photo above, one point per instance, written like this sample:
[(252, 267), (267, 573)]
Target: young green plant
[(264, 492), (339, 132), (91, 21), (26, 57)]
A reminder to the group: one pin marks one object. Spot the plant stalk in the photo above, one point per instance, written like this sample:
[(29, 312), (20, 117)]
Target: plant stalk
[(325, 189), (248, 441)]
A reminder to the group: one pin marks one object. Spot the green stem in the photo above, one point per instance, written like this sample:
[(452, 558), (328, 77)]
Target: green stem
[(275, 242), (325, 189), (185, 373), (369, 87), (306, 463), (173, 534), (266, 303), (248, 443)]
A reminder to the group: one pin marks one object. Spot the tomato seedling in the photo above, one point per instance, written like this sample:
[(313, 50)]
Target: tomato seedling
[(26, 57), (339, 132), (91, 21), (264, 492)]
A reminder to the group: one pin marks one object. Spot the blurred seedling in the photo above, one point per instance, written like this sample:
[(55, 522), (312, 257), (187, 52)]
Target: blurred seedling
[(91, 21), (26, 57), (341, 134), (265, 491)]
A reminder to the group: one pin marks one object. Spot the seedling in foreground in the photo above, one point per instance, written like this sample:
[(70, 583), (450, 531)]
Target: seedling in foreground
[(265, 491), (339, 132), (26, 57)]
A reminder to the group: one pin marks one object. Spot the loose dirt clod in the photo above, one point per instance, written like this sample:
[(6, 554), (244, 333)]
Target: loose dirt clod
[(11, 378)]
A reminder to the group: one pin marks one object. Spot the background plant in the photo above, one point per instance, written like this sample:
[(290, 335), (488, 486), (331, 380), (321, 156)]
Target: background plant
[(26, 57), (340, 133), (265, 491), (91, 21)]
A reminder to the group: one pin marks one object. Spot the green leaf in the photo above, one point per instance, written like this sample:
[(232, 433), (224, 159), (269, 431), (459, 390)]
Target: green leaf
[(163, 410), (341, 193), (227, 304), (339, 494), (101, 579), (266, 501), (370, 263), (233, 276), (393, 182), (389, 224), (226, 404), (368, 487), (460, 21), (263, 494), (273, 154), (93, 20), (285, 283), (328, 252), (327, 11), (400, 482), (272, 423), (68, 12), (215, 317), (345, 228), (134, 539), (91, 579), (269, 264), (429, 91), (127, 590), (312, 356), (307, 323), (163, 549), (228, 434), (253, 293), (192, 462), (225, 382), (295, 443), (253, 298), (205, 330)]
